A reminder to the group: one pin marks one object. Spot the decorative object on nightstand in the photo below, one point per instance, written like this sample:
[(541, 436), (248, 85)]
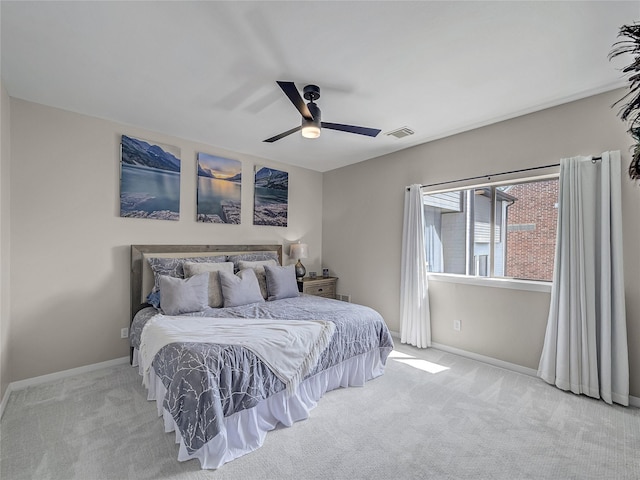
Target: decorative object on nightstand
[(319, 286), (298, 251)]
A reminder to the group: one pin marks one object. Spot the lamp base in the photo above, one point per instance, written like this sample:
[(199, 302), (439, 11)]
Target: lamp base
[(300, 270)]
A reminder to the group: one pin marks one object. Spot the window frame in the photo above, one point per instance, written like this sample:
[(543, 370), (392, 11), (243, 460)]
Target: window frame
[(549, 173)]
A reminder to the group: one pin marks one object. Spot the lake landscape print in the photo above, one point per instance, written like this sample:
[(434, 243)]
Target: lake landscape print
[(219, 189), (271, 197), (149, 180)]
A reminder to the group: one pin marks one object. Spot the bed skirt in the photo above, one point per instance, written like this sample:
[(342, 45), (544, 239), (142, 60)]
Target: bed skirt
[(245, 431)]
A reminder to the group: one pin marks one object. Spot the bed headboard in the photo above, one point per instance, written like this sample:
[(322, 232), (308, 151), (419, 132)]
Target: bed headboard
[(142, 276)]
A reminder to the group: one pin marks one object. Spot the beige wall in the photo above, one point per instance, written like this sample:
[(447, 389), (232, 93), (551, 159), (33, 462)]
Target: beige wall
[(506, 331), (5, 155), (362, 225), (70, 249)]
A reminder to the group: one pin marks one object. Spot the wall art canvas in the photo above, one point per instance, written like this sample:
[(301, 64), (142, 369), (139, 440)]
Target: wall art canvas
[(219, 189), (271, 197), (149, 180)]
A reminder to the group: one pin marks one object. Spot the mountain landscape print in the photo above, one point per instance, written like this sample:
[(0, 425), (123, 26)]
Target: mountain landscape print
[(271, 197), (149, 180), (219, 189)]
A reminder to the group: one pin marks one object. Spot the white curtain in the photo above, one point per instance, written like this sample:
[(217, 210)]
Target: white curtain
[(433, 242), (585, 347), (415, 322)]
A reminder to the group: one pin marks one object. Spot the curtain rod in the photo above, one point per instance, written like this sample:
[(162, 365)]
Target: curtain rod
[(488, 177)]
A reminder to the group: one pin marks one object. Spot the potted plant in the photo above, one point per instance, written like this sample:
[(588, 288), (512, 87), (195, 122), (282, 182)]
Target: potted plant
[(630, 111)]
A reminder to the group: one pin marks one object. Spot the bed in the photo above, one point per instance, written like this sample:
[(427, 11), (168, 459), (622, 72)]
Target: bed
[(215, 373)]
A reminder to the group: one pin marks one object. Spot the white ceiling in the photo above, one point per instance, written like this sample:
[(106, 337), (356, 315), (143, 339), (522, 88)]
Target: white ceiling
[(207, 71)]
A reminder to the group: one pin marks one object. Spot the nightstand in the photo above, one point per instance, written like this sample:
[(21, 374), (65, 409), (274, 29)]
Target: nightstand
[(319, 286)]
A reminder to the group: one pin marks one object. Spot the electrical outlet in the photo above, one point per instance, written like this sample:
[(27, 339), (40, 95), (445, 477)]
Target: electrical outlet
[(124, 333), (457, 324)]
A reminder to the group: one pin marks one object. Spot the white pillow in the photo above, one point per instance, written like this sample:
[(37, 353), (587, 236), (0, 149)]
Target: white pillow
[(258, 267), (215, 292), (178, 296), (241, 288)]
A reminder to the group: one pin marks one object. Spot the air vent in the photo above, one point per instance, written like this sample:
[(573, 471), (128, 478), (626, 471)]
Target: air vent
[(401, 132)]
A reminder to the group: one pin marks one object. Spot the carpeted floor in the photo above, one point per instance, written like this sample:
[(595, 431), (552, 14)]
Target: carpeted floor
[(467, 421)]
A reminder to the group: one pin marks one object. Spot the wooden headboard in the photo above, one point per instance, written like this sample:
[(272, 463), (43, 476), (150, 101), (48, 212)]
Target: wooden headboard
[(140, 269)]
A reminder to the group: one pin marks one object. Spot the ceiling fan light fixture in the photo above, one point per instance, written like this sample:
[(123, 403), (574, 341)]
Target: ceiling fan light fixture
[(310, 129), (312, 123)]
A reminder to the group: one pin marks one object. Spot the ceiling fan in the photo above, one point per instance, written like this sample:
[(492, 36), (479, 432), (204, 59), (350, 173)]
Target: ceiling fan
[(311, 115)]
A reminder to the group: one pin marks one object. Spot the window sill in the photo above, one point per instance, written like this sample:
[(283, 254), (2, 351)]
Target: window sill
[(528, 285)]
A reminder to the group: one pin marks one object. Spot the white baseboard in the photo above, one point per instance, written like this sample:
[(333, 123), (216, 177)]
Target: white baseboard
[(480, 358), (28, 382), (514, 367), (633, 401), (5, 400)]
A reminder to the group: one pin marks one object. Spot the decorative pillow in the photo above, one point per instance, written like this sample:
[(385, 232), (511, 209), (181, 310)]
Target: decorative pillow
[(258, 267), (241, 288), (154, 299), (178, 296), (215, 292), (173, 267), (281, 282), (251, 257)]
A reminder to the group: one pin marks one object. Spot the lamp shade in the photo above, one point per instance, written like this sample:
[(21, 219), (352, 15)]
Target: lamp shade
[(310, 130), (298, 251)]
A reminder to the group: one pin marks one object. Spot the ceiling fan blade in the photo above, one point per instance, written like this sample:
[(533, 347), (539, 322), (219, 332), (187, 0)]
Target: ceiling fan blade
[(290, 90), (283, 134), (370, 132)]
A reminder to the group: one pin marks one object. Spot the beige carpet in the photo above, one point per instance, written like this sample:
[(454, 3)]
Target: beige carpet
[(468, 421)]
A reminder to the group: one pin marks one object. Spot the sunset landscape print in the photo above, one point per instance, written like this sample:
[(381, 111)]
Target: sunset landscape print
[(219, 189)]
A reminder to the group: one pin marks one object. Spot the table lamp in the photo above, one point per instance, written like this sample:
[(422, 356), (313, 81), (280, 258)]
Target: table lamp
[(298, 251)]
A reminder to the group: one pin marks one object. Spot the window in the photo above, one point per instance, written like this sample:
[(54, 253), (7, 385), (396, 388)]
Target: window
[(493, 231)]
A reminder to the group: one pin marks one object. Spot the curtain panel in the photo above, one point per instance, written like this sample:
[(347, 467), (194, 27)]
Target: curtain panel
[(585, 347), (415, 320)]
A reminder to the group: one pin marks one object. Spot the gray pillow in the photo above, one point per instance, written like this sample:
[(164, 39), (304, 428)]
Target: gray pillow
[(251, 257), (215, 292), (173, 267), (258, 267), (241, 288), (178, 296), (281, 282)]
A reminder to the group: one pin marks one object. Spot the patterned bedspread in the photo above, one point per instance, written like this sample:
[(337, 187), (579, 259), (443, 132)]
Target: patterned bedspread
[(207, 382)]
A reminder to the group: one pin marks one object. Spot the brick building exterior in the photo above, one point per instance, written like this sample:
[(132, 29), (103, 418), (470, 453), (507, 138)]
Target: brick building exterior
[(531, 230)]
